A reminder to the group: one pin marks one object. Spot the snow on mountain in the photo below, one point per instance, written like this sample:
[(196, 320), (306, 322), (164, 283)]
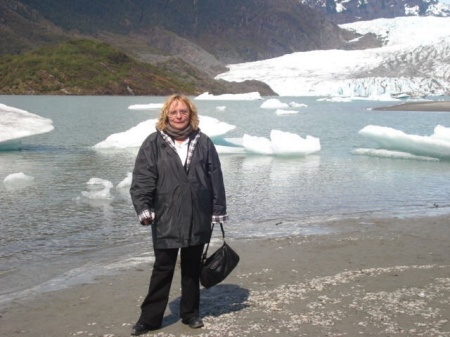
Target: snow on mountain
[(404, 30), (345, 11), (439, 9), (414, 60)]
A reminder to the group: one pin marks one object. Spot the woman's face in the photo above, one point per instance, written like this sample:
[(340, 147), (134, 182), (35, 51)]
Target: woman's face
[(178, 115)]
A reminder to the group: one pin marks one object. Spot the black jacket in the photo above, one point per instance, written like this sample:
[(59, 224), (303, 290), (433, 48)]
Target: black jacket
[(183, 199)]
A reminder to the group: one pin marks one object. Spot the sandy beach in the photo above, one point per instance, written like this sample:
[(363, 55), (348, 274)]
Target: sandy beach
[(418, 106), (368, 277)]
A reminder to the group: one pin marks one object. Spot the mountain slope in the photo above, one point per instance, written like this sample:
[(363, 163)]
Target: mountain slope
[(81, 67), (86, 67), (205, 35), (22, 29), (230, 30)]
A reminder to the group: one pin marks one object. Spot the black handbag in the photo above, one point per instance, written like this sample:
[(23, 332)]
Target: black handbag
[(219, 265)]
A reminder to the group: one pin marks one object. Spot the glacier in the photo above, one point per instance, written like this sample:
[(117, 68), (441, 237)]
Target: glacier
[(414, 61)]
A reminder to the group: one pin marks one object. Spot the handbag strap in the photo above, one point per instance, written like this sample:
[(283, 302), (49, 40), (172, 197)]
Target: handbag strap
[(207, 245)]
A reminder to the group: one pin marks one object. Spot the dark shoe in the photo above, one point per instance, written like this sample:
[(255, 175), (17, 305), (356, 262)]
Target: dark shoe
[(141, 328), (193, 322)]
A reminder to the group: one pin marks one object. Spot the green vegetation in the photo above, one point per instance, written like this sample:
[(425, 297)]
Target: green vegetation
[(85, 67)]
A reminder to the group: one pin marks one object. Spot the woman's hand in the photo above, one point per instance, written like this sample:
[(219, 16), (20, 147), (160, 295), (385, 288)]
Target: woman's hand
[(146, 222)]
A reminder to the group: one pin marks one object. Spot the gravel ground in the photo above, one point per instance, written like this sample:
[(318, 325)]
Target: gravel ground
[(371, 277)]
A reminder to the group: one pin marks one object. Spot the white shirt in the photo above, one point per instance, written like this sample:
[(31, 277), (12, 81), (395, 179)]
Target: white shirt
[(182, 150)]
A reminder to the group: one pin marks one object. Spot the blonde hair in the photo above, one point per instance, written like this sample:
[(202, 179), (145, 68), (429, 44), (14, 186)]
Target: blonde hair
[(163, 119)]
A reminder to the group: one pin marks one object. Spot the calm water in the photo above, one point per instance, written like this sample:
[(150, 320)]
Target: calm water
[(51, 236)]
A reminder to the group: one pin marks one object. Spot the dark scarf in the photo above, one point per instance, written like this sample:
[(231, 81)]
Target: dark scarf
[(178, 134)]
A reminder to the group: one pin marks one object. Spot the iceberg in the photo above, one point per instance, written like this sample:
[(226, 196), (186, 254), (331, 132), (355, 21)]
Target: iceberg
[(150, 106), (297, 105), (281, 143), (214, 127), (98, 189), (16, 124), (125, 183), (435, 146), (230, 97), (281, 112), (134, 137), (281, 107), (17, 181), (273, 103)]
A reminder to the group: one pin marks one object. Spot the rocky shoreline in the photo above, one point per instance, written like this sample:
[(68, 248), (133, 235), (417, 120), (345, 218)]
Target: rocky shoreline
[(418, 106), (370, 277)]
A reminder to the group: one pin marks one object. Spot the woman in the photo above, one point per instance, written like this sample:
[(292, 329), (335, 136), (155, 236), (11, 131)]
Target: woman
[(178, 189)]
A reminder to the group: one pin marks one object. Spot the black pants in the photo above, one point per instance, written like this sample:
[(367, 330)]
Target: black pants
[(155, 303)]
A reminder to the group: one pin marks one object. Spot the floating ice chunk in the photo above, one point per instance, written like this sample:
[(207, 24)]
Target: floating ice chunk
[(396, 140), (273, 103), (134, 137), (16, 123), (281, 112), (221, 108), (98, 189), (150, 106), (213, 127), (297, 105), (441, 132), (281, 143), (130, 138), (291, 143), (126, 183), (230, 97), (255, 144), (17, 181)]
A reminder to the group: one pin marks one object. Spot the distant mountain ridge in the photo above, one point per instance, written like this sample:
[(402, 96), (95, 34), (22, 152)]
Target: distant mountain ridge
[(204, 34), (230, 30), (196, 38), (347, 11)]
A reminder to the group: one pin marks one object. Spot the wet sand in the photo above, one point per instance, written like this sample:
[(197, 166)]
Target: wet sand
[(418, 106), (370, 277)]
